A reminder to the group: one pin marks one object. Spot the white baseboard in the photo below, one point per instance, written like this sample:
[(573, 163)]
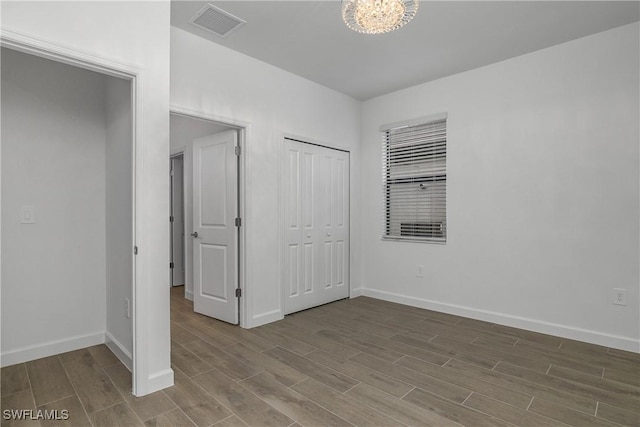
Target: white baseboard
[(51, 348), (188, 295), (355, 293), (264, 318), (119, 350), (579, 334), (157, 381)]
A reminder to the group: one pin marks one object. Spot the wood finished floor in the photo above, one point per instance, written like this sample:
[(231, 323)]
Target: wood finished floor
[(354, 362)]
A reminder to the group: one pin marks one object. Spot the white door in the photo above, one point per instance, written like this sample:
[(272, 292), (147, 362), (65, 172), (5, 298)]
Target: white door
[(215, 242), (316, 197), (177, 222)]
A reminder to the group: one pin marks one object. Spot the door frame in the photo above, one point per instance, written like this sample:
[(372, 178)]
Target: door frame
[(243, 128), (282, 223), (102, 65), (180, 153)]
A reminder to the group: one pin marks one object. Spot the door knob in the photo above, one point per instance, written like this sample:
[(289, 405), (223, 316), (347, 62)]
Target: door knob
[(194, 234), (328, 234), (308, 236)]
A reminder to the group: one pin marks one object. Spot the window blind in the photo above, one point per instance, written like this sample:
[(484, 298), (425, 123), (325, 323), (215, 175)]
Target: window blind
[(414, 176)]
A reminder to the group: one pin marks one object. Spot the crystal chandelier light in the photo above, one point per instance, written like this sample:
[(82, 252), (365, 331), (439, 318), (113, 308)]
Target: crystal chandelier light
[(378, 16)]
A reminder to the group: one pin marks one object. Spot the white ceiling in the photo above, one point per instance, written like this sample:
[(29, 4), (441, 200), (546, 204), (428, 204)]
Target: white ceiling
[(308, 38)]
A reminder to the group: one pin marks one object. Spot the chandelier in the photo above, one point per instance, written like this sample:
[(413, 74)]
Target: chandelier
[(377, 16)]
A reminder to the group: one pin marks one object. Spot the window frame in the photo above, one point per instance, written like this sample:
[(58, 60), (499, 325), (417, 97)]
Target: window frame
[(438, 175)]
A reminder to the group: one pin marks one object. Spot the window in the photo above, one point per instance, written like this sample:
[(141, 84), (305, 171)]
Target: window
[(414, 178)]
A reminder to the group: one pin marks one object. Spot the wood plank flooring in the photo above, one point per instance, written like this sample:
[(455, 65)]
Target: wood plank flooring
[(360, 362)]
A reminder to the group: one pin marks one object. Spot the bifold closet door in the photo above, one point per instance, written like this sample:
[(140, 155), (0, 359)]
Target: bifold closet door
[(316, 200)]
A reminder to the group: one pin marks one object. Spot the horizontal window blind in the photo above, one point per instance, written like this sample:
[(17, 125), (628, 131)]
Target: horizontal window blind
[(414, 176)]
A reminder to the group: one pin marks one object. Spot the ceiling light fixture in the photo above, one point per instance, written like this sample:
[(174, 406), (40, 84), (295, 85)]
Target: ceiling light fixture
[(378, 16)]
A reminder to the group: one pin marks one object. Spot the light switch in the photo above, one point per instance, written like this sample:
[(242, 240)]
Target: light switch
[(28, 215)]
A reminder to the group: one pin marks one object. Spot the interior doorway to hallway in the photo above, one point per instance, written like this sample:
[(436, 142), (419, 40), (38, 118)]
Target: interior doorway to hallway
[(207, 171), (176, 219)]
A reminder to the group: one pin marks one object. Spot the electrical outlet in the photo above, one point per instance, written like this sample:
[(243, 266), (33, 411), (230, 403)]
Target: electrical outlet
[(420, 271), (127, 308), (619, 296)]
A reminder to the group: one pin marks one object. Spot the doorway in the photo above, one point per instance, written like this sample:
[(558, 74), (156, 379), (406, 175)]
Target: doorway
[(211, 177), (176, 219), (68, 227), (316, 216)]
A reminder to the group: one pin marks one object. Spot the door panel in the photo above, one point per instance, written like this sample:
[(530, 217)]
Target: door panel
[(340, 255), (294, 283), (213, 206), (316, 199), (328, 251), (294, 188), (308, 268), (308, 189), (214, 212), (338, 170), (213, 261)]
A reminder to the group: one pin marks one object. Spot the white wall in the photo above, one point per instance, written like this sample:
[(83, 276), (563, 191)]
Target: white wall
[(119, 216), (53, 158), (219, 82), (542, 193), (135, 34)]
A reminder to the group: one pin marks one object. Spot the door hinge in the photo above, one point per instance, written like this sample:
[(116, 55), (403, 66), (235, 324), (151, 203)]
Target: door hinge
[(238, 150), (238, 222), (171, 265), (171, 218), (172, 172), (135, 250), (238, 292)]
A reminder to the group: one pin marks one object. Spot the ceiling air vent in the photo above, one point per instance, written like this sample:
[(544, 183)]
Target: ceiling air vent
[(216, 20)]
